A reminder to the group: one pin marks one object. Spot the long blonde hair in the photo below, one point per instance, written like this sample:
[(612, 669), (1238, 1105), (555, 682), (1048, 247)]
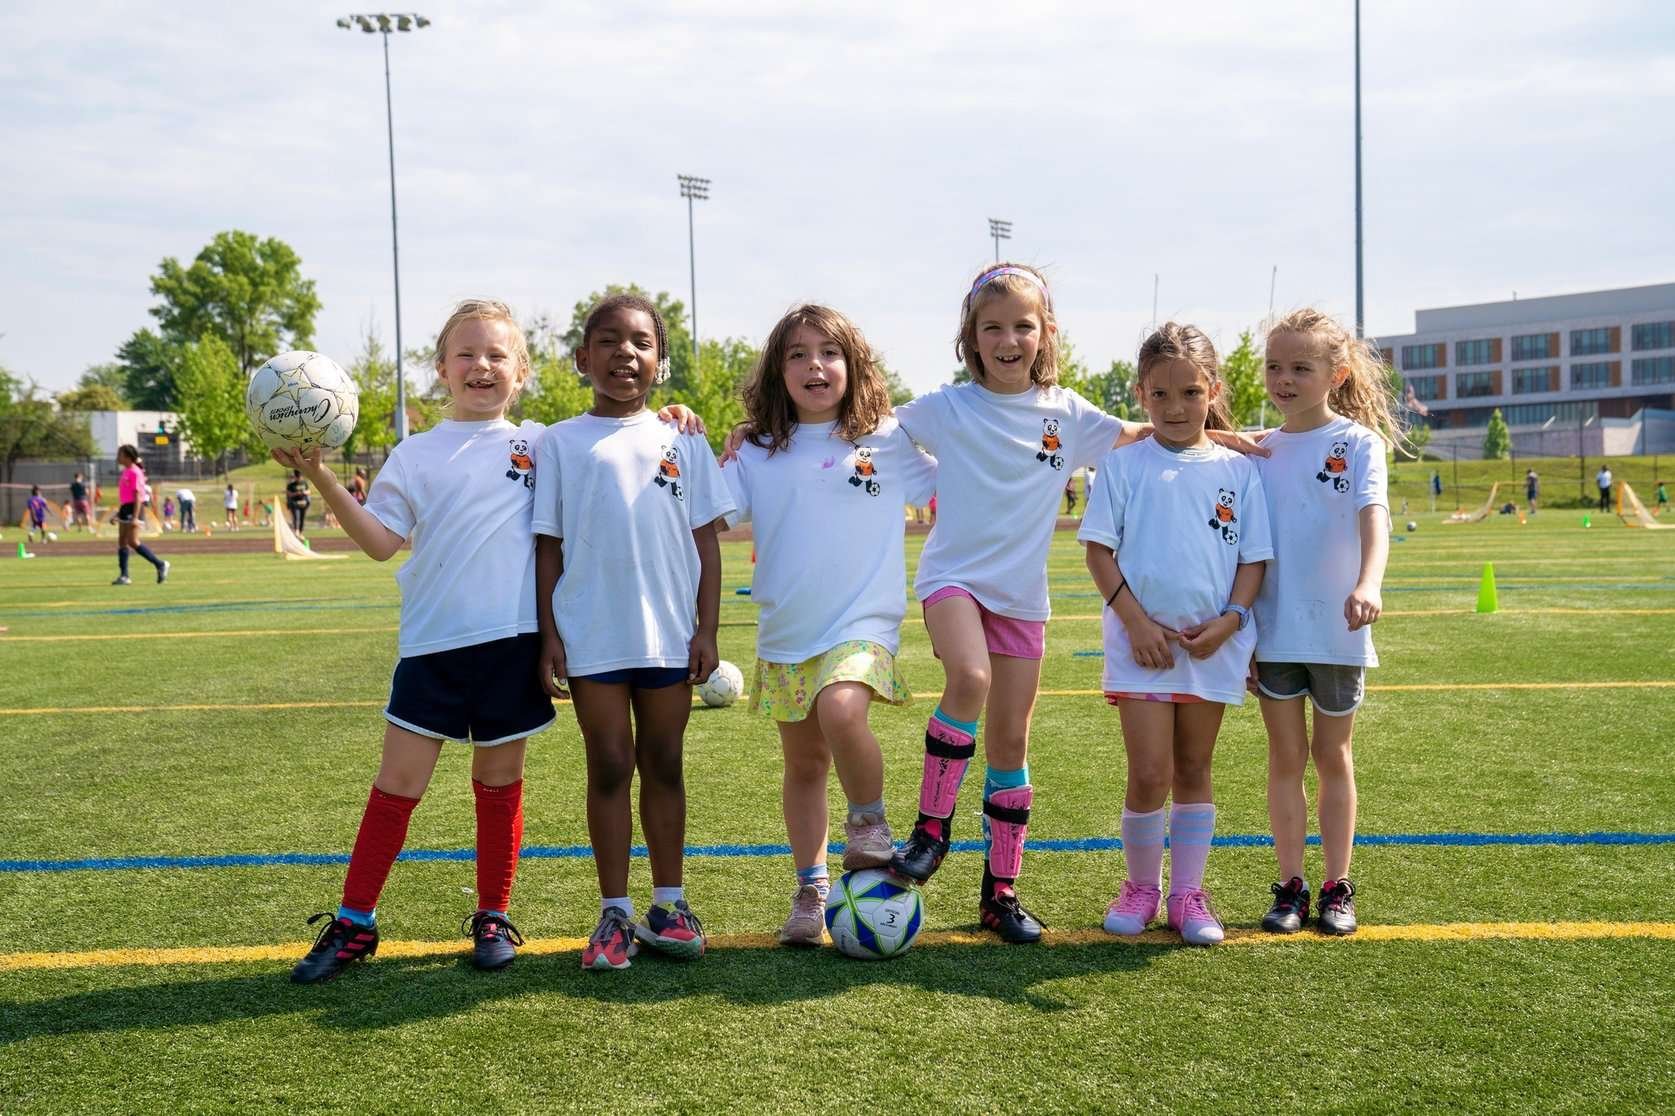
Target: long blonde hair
[(1012, 279), (1364, 396)]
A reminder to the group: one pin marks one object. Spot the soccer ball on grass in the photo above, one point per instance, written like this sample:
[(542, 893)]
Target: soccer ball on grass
[(300, 400), (724, 686), (872, 915)]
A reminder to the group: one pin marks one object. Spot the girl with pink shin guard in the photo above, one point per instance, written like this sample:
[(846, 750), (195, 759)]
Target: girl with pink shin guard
[(1177, 541), (1004, 443)]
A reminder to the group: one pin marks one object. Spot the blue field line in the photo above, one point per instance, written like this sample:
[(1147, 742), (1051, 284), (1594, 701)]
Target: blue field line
[(582, 852)]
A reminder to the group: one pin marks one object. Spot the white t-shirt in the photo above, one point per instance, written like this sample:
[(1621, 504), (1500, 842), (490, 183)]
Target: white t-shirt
[(461, 493), (1603, 478), (829, 536), (230, 502), (184, 495), (1182, 523), (1002, 461), (1317, 483), (625, 495)]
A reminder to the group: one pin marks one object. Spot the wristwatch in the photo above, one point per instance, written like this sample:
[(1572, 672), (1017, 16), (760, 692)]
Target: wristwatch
[(1240, 610)]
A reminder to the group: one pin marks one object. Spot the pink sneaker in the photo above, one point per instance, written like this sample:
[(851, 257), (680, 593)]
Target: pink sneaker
[(1133, 909), (1190, 913), (868, 844)]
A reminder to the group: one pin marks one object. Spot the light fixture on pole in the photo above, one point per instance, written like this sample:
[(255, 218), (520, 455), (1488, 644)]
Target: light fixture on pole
[(999, 230), (383, 24), (693, 189)]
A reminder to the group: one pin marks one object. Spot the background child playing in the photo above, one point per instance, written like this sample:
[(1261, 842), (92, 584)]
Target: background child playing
[(824, 477), (36, 514), (469, 652), (132, 496), (1327, 500), (1176, 529), (628, 596), (230, 503)]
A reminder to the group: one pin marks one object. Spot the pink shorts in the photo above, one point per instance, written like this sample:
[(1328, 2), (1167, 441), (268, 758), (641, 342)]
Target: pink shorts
[(1111, 698), (1004, 635)]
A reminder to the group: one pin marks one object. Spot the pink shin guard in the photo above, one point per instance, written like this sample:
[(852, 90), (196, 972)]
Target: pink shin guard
[(948, 753), (1006, 823)]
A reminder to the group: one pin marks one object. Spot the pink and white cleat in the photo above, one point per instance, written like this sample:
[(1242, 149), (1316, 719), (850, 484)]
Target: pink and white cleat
[(867, 843), (1134, 908), (1191, 914)]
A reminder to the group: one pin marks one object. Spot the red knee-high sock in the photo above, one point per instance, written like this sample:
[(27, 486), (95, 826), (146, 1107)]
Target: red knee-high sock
[(383, 830), (499, 835)]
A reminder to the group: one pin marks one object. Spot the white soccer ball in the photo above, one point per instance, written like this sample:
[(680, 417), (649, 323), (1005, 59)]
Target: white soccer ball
[(52, 536), (301, 400), (872, 915), (724, 686), (1412, 526)]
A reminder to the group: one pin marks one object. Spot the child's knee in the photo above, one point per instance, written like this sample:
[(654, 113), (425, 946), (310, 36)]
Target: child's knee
[(609, 770), (1149, 780), (969, 678), (808, 764), (1333, 758)]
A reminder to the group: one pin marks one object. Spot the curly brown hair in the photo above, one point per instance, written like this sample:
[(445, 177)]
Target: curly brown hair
[(1013, 279), (1178, 341), (769, 413)]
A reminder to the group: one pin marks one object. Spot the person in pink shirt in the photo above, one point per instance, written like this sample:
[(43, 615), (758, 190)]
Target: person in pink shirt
[(132, 492)]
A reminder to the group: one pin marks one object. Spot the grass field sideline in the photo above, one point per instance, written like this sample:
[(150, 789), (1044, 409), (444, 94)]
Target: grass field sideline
[(260, 682)]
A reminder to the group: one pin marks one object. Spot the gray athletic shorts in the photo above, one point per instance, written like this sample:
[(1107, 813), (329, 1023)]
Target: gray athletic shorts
[(1335, 690)]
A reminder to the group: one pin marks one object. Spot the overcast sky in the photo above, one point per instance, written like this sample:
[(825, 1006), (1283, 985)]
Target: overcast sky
[(857, 151)]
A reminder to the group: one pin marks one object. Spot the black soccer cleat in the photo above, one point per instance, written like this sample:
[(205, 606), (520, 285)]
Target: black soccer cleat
[(1337, 907), (1002, 913), (1290, 912), (340, 944), (922, 853), (493, 940), (163, 572)]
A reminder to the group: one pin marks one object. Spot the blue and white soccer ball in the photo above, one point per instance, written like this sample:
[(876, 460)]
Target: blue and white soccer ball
[(300, 400), (872, 915)]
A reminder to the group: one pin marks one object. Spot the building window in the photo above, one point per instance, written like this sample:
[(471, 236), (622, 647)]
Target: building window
[(1533, 346), (1532, 414), (1422, 356), (1426, 388), (1528, 381), (1474, 352), (1469, 385), (1654, 370), (1654, 335), (1590, 342), (1596, 374)]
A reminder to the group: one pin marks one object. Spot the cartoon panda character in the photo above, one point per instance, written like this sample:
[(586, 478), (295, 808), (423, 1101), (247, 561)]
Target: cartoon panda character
[(668, 472), (523, 466), (866, 473), (1050, 444), (1336, 468), (1225, 519)]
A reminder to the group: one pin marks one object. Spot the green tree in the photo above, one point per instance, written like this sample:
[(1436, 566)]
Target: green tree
[(374, 374), (1497, 439), (897, 387), (148, 362), (555, 391), (210, 386), (1074, 373), (247, 291), (1112, 391), (31, 427), (91, 397), (1243, 381), (723, 367), (675, 321), (109, 375)]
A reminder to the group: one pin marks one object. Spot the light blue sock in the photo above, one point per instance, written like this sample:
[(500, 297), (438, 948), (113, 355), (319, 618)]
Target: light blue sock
[(816, 874), (496, 914), (967, 727), (359, 918)]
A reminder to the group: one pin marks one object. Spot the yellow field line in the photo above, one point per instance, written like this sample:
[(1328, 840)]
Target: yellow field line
[(1431, 687), (243, 632), (1420, 932)]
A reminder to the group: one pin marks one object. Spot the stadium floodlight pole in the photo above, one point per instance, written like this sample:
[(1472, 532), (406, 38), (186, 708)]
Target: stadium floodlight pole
[(383, 24), (1360, 305), (693, 188), (999, 230)]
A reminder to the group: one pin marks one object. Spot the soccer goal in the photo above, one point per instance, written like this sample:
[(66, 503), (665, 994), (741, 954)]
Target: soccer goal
[(1634, 514), (286, 544), (1477, 514)]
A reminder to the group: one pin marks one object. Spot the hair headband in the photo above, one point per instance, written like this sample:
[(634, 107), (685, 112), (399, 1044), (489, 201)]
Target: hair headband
[(988, 277)]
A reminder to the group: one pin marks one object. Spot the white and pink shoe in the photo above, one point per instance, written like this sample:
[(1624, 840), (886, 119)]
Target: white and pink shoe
[(1134, 908), (1191, 914)]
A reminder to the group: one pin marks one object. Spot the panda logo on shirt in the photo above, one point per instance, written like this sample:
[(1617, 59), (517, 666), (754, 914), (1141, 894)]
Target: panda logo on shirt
[(866, 473), (523, 466), (1051, 445), (1224, 519), (668, 472), (1336, 468)]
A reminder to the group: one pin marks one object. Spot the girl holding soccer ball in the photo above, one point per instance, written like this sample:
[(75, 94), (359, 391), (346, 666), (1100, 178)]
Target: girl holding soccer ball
[(1330, 509), (1177, 533), (628, 596), (824, 476), (468, 642)]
